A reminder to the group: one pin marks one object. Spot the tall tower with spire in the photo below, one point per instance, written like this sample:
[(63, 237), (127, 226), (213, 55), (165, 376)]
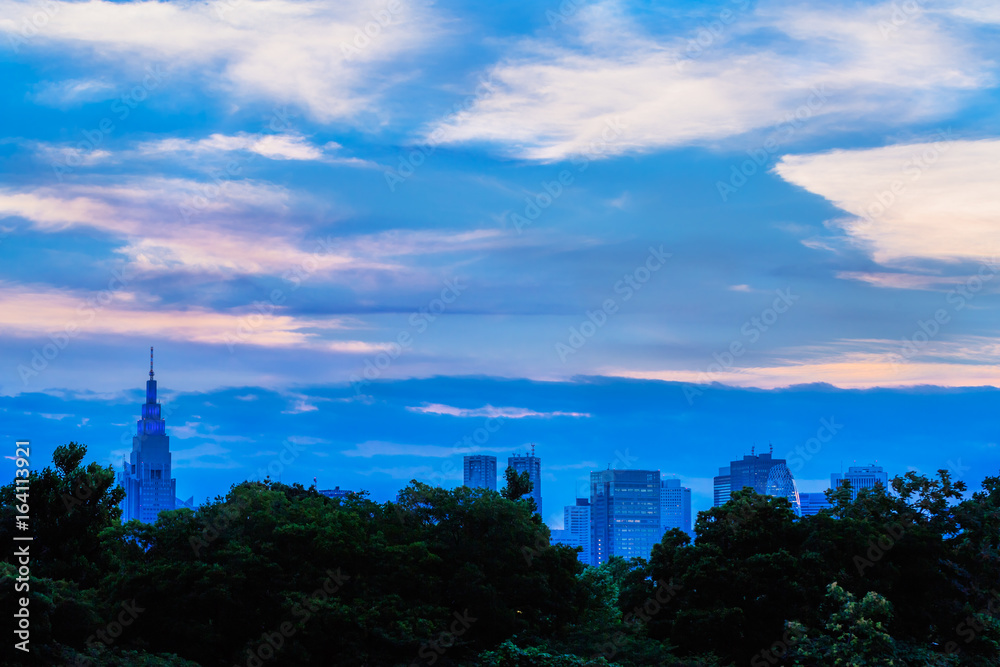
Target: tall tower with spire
[(145, 476)]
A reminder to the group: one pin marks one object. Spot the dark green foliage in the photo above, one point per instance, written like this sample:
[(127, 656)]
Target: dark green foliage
[(283, 575)]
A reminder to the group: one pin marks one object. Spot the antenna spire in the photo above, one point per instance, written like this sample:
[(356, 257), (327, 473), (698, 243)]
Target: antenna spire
[(151, 362)]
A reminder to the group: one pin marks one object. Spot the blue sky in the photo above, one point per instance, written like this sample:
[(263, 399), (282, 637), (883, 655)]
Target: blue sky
[(369, 208)]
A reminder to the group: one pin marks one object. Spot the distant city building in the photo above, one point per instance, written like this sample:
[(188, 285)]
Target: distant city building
[(762, 473), (860, 477), (576, 529), (723, 487), (185, 504), (625, 513), (480, 471), (336, 492), (780, 483), (812, 503), (145, 476), (675, 506), (533, 466)]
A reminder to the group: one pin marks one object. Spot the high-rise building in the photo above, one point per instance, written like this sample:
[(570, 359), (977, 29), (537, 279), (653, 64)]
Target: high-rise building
[(812, 503), (860, 477), (762, 473), (149, 488), (625, 513), (533, 466), (576, 528), (675, 506), (780, 483), (722, 487), (480, 471)]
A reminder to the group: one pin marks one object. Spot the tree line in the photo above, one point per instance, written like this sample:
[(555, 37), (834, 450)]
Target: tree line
[(273, 574)]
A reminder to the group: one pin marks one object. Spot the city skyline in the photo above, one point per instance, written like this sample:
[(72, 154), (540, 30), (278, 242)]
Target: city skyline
[(285, 463)]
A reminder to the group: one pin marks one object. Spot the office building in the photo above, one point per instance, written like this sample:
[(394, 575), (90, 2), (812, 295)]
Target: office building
[(812, 503), (722, 487), (625, 513), (860, 477), (533, 466), (145, 475), (675, 506), (480, 471), (761, 472), (576, 529)]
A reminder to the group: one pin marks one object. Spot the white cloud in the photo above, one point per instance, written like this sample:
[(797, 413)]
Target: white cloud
[(300, 52), (377, 448), (553, 101), (219, 234), (37, 311), (932, 200), (490, 411), (960, 361)]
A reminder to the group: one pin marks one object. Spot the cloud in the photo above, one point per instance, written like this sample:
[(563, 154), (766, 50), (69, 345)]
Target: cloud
[(962, 361), (181, 225), (619, 89), (377, 448), (287, 146), (308, 53), (206, 455), (932, 200), (36, 312), (490, 411)]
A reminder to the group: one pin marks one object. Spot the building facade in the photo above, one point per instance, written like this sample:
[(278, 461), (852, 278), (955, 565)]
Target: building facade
[(675, 506), (576, 523), (722, 487), (146, 475), (533, 466), (625, 513), (860, 477), (480, 471), (812, 503)]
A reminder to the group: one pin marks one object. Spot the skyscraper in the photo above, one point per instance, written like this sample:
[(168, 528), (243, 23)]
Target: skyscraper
[(533, 466), (576, 522), (675, 506), (722, 487), (812, 503), (780, 483), (625, 513), (760, 472), (149, 488), (480, 471), (860, 477)]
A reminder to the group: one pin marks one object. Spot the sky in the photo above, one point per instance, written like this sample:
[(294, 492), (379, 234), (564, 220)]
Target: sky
[(637, 234)]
